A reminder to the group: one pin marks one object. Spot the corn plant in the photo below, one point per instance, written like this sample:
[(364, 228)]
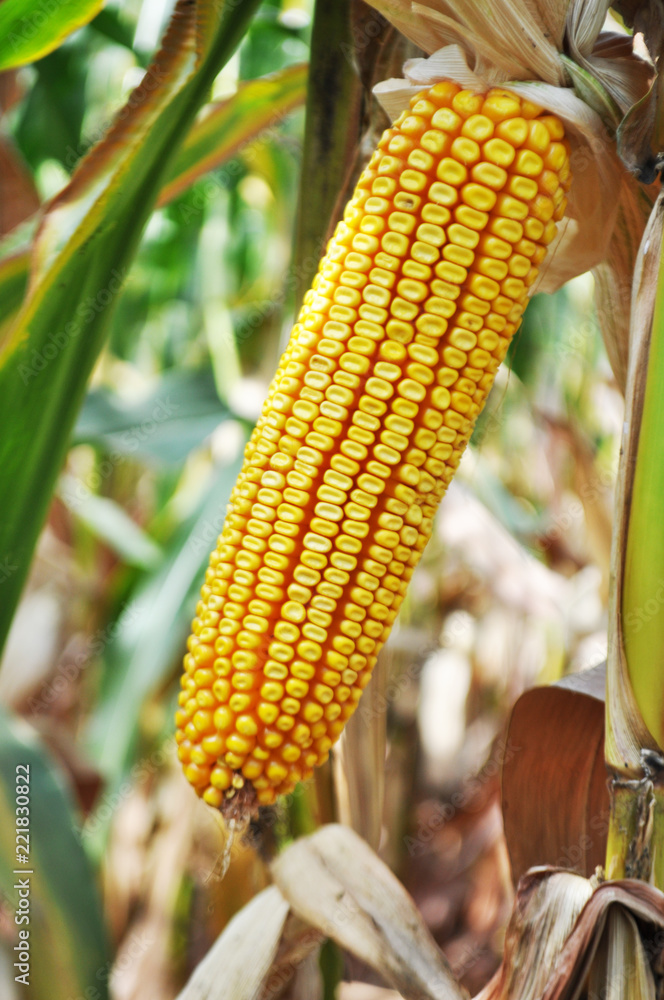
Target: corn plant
[(520, 152)]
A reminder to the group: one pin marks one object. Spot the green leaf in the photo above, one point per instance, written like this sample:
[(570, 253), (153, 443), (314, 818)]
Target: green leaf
[(178, 415), (68, 948), (14, 268), (13, 282), (331, 134), (229, 125), (85, 245), (224, 130), (151, 631), (30, 30), (108, 521)]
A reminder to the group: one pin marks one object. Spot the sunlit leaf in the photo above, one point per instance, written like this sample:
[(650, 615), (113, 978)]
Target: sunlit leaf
[(29, 31), (229, 125), (83, 251), (225, 129), (67, 940), (643, 580)]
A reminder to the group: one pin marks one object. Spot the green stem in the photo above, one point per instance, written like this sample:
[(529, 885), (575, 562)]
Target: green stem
[(643, 581), (657, 846)]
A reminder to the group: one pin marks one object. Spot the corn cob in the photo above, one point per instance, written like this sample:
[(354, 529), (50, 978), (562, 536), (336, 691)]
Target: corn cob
[(390, 362)]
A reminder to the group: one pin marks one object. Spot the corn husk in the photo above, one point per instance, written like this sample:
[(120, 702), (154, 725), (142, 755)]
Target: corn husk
[(567, 935), (334, 882), (556, 55)]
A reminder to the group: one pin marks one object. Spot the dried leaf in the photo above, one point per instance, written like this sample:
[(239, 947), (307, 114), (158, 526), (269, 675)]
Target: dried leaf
[(621, 949), (635, 135), (507, 39), (554, 794), (474, 44), (583, 236), (564, 928), (359, 766), (239, 963), (613, 277), (336, 883), (634, 899), (546, 907), (644, 16)]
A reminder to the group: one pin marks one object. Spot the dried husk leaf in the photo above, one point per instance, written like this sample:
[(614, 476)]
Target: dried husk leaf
[(359, 766), (627, 733), (635, 135), (623, 76), (548, 818), (568, 936), (547, 905), (335, 882), (240, 962), (583, 236), (634, 899), (518, 44), (613, 277), (621, 961), (509, 39)]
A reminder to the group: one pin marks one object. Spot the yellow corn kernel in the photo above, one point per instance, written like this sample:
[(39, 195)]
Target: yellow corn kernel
[(391, 359)]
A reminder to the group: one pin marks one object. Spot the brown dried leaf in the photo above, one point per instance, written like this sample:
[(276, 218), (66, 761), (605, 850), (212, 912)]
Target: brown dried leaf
[(335, 882), (510, 38), (613, 277), (635, 136), (647, 17), (620, 955), (554, 792), (633, 897), (546, 908), (359, 766)]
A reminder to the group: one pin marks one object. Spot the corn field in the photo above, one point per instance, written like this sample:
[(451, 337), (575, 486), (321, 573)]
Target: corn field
[(331, 549)]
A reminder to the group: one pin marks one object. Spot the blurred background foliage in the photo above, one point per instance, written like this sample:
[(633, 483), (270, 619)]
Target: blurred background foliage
[(511, 592)]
